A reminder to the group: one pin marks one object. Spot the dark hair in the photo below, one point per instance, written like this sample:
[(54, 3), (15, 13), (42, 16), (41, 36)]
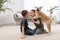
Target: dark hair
[(24, 12), (33, 10)]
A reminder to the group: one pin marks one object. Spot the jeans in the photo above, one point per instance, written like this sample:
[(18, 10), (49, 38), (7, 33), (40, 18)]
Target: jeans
[(30, 32), (39, 31)]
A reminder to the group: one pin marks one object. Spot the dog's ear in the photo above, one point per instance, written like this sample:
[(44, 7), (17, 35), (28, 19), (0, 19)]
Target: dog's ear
[(38, 8)]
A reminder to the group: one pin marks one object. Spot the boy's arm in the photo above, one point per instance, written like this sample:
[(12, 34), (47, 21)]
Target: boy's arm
[(22, 25), (22, 30), (23, 35), (36, 22)]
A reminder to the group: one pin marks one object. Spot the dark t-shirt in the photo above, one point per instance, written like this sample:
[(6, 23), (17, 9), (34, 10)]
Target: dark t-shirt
[(25, 24), (40, 26)]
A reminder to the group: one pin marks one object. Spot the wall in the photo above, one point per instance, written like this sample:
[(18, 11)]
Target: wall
[(7, 18)]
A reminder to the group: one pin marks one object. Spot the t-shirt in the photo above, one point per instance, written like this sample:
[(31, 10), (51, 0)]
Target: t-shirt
[(39, 26), (24, 23)]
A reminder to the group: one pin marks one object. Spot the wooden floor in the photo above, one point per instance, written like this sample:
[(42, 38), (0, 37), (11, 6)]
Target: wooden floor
[(13, 33)]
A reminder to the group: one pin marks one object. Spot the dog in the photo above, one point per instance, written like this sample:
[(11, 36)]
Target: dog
[(44, 17)]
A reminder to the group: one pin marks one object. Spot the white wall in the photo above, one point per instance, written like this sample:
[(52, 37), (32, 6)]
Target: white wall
[(58, 12), (28, 4), (7, 18)]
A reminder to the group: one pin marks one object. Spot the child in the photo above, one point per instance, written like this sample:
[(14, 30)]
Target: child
[(39, 25), (24, 25)]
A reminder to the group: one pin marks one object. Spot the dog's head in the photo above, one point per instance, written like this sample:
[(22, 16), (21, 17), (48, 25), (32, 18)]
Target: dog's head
[(38, 8)]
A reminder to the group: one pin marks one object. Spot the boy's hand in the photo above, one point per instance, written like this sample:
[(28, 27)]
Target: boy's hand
[(38, 22), (32, 19)]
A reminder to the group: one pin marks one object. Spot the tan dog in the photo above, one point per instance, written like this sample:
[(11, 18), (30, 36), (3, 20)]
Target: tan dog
[(44, 18)]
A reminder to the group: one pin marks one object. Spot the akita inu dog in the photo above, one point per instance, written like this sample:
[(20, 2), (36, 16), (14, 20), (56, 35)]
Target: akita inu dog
[(44, 17)]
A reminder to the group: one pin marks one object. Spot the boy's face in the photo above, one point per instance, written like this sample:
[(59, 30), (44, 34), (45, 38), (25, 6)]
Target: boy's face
[(27, 15), (32, 14)]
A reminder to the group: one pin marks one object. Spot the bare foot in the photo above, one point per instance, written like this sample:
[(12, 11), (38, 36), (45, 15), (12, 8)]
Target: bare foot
[(49, 33), (22, 37)]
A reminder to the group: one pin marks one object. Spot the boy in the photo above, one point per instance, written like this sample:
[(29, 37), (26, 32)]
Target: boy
[(38, 23), (24, 25)]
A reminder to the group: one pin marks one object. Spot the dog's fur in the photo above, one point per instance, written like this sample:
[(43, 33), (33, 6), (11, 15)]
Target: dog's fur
[(44, 17)]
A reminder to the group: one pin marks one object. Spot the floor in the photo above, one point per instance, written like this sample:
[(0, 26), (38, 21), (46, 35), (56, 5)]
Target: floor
[(13, 33)]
